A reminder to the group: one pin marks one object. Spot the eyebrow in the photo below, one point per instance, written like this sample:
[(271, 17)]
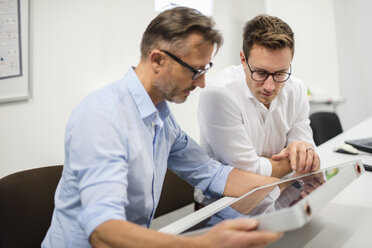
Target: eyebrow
[(260, 69)]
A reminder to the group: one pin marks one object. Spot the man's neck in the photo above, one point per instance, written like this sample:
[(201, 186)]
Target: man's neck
[(146, 80)]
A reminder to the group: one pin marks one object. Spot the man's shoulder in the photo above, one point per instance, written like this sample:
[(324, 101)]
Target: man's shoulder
[(109, 98), (111, 95), (294, 92), (295, 82), (294, 86)]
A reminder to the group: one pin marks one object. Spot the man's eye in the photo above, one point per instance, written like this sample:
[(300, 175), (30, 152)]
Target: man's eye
[(261, 73), (280, 75)]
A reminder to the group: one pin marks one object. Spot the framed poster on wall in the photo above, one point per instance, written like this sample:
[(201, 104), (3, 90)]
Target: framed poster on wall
[(14, 51)]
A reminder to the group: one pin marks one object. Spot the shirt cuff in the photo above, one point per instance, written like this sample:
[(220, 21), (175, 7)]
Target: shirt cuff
[(93, 216), (217, 186), (265, 168)]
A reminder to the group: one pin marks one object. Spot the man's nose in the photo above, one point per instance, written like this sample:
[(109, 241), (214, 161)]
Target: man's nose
[(200, 82), (269, 84)]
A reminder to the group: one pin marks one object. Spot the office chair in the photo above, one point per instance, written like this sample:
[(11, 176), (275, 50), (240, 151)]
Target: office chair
[(325, 125), (26, 206), (175, 194), (27, 203)]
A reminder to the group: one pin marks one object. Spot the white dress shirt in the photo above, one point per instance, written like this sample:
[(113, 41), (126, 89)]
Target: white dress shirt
[(237, 129)]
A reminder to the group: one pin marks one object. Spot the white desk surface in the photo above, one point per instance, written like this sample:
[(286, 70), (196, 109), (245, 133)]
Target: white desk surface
[(347, 220), (359, 193), (344, 222)]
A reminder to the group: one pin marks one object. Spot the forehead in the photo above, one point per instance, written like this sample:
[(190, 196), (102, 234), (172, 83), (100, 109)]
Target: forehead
[(199, 52), (270, 59)]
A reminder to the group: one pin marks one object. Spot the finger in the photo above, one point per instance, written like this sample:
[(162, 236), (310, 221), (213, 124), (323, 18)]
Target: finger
[(293, 157), (262, 237), (301, 158), (242, 224), (309, 160), (258, 246), (316, 163), (281, 155)]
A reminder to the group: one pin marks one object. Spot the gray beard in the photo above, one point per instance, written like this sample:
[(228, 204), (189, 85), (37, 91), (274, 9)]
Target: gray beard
[(168, 91)]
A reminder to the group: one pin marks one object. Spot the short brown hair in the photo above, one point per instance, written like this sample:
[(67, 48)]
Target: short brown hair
[(172, 26), (267, 31)]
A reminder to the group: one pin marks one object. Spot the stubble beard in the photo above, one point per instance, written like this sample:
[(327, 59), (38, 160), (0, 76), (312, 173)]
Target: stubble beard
[(169, 90)]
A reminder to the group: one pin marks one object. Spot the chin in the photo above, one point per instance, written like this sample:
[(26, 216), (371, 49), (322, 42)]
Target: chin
[(178, 99)]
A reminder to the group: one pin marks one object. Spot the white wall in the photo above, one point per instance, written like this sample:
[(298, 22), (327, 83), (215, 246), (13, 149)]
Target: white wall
[(354, 36), (77, 46), (80, 45), (333, 51), (315, 59)]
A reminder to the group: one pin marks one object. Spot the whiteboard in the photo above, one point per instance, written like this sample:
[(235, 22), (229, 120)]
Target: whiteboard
[(14, 51)]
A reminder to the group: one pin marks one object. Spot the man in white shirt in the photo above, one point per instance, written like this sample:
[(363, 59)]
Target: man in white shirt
[(255, 115)]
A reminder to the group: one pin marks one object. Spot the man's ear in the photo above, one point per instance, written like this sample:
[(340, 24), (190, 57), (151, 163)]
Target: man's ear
[(242, 58), (157, 60)]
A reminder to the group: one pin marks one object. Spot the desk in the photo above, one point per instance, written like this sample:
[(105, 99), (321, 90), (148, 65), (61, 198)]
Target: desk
[(359, 192), (344, 222), (347, 220)]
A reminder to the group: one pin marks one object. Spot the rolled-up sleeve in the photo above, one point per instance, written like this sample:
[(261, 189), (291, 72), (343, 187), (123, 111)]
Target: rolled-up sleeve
[(99, 208), (99, 167)]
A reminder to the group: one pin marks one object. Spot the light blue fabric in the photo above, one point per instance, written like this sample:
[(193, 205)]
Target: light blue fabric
[(117, 149)]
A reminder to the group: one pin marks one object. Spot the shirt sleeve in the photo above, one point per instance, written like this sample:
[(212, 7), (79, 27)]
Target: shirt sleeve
[(188, 160), (96, 154), (221, 125)]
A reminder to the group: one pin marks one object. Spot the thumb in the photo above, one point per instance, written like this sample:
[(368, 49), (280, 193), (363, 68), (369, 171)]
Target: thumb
[(242, 224), (281, 155)]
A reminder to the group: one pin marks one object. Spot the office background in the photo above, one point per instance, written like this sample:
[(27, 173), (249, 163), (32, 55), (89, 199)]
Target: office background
[(78, 46)]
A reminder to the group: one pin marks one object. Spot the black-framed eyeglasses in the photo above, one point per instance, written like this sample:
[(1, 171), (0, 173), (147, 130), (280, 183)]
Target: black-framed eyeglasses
[(262, 76), (197, 72)]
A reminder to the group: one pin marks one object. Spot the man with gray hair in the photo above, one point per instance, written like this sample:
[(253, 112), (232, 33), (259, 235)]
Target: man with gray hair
[(121, 139)]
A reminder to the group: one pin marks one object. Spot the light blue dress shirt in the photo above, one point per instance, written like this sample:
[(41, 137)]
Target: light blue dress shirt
[(118, 146)]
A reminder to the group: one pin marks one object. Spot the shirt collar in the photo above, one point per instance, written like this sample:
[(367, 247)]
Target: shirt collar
[(142, 99), (163, 109), (243, 81)]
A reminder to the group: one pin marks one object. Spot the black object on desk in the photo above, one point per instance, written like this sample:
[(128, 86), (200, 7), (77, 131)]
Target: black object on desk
[(367, 167), (367, 161), (364, 144)]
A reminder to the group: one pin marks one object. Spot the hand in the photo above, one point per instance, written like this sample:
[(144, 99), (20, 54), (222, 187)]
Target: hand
[(229, 233), (237, 233), (302, 156)]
